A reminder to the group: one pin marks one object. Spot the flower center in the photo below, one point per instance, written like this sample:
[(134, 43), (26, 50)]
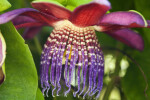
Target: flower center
[(85, 54), (63, 23)]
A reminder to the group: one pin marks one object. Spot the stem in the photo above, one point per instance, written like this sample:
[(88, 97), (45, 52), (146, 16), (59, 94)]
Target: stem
[(38, 46), (113, 80), (140, 68), (115, 75)]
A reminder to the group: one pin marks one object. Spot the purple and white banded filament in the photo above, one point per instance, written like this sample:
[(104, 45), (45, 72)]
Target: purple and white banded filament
[(86, 56)]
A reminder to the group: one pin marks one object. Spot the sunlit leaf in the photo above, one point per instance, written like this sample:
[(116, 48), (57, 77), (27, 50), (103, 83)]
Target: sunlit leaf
[(69, 4), (21, 76), (39, 95), (143, 7), (122, 5), (4, 4), (134, 82)]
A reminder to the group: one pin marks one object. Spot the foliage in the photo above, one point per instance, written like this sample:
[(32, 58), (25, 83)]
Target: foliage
[(21, 76)]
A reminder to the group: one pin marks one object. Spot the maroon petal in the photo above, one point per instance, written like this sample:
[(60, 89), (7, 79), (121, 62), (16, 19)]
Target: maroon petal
[(22, 19), (30, 24), (52, 9), (124, 19), (41, 17), (31, 32), (24, 22), (89, 14), (128, 37), (29, 12)]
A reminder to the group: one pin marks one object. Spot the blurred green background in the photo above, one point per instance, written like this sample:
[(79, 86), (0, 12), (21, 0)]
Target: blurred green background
[(125, 68)]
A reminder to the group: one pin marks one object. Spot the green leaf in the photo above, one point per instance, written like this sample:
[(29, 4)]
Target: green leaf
[(4, 4), (133, 83), (122, 5), (69, 4), (51, 1), (21, 77), (72, 4), (77, 2), (143, 7), (17, 4), (69, 97), (39, 95)]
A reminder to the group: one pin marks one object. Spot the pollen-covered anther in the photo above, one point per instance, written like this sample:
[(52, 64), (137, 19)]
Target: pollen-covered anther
[(70, 48)]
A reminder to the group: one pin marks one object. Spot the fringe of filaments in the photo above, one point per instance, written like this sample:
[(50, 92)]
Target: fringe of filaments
[(86, 56)]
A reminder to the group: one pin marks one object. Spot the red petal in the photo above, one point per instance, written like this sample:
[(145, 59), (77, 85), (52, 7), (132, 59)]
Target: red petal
[(22, 19), (52, 9), (89, 14), (128, 37), (29, 12), (32, 24), (41, 17), (123, 19)]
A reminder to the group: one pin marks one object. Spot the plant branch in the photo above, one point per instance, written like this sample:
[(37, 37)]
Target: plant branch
[(113, 79), (143, 74)]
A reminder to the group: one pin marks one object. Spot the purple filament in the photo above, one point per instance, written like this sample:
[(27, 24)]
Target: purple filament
[(84, 62), (86, 55), (79, 64), (66, 63), (71, 62), (63, 43)]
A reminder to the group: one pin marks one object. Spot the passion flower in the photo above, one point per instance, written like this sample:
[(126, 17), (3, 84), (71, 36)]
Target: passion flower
[(74, 42)]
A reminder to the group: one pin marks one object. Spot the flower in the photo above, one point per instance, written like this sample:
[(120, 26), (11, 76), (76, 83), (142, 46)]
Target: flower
[(73, 43), (2, 50)]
